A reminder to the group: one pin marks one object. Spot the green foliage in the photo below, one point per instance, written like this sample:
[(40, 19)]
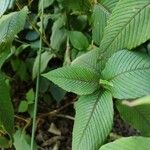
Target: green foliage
[(129, 74), (130, 143), (10, 25), (89, 60), (4, 5), (4, 142), (124, 74), (45, 58), (58, 35), (90, 130), (101, 12), (128, 26), (46, 4), (67, 33), (22, 141), (23, 107), (27, 105), (69, 78), (6, 108), (78, 40), (141, 112)]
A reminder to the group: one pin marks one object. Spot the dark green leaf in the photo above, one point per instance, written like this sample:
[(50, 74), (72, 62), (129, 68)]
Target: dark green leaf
[(78, 40), (45, 58), (6, 108)]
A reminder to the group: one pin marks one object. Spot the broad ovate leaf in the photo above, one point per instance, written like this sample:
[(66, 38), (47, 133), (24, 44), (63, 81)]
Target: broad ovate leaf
[(130, 143), (129, 74), (4, 5), (10, 25), (136, 113), (78, 40), (93, 120), (74, 79), (128, 26), (101, 12), (6, 107)]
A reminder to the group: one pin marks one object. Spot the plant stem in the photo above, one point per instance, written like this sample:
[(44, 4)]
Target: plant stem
[(37, 84)]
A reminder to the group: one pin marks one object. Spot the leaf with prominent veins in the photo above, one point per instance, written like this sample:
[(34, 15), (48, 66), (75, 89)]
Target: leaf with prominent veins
[(129, 73), (101, 11), (93, 120), (75, 79), (128, 26)]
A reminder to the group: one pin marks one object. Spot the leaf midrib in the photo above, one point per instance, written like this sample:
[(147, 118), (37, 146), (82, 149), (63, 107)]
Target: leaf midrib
[(78, 80), (92, 112), (123, 27), (128, 71)]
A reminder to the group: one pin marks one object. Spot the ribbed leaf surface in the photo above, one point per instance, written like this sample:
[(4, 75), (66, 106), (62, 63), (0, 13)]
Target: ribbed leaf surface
[(141, 113), (101, 12), (10, 25), (74, 79), (6, 108), (131, 143), (129, 72), (89, 60), (128, 27), (4, 4), (93, 121)]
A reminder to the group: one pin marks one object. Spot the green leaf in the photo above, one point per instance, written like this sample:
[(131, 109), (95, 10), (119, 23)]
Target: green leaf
[(4, 55), (30, 96), (46, 3), (128, 27), (101, 13), (78, 40), (6, 108), (74, 79), (130, 143), (57, 92), (57, 38), (4, 5), (93, 120), (20, 68), (22, 141), (4, 142), (129, 73), (23, 106), (45, 58), (89, 60), (141, 112), (80, 5), (10, 25), (58, 32)]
